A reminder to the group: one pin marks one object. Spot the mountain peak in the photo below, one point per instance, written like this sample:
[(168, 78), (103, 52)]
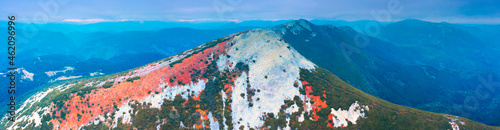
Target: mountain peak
[(295, 26), (300, 23), (412, 22), (263, 45), (302, 20)]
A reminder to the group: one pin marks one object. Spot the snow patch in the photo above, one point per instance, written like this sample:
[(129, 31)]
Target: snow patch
[(36, 119), (64, 78), (293, 108), (340, 117), (53, 73), (96, 73), (213, 124), (453, 121), (169, 93), (224, 98), (27, 75), (124, 114)]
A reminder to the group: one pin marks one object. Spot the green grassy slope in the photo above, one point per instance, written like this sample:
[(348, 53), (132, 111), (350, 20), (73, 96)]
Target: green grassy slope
[(381, 115)]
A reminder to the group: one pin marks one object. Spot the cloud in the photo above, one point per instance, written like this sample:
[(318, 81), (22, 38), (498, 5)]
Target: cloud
[(96, 20), (85, 20), (208, 20)]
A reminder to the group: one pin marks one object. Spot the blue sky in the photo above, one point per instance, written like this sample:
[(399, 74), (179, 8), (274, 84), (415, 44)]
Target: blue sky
[(454, 11)]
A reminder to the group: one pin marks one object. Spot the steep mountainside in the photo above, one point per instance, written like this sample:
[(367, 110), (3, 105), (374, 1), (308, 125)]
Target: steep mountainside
[(438, 45), (325, 46), (251, 79), (382, 68)]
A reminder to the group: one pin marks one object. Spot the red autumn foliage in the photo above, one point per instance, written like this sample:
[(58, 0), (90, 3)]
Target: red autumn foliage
[(101, 100), (318, 103)]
